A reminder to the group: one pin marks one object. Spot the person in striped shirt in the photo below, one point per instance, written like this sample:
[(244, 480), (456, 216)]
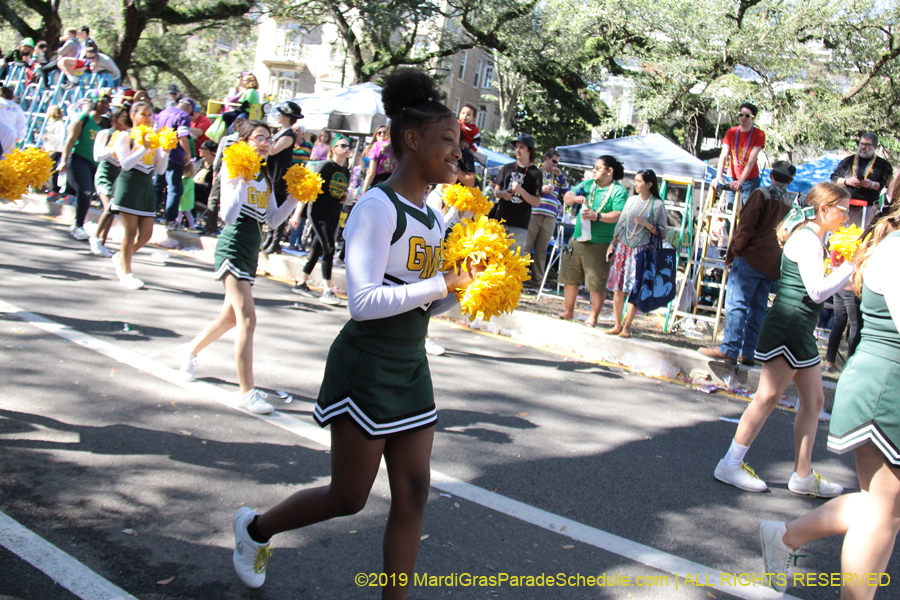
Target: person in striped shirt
[(543, 217)]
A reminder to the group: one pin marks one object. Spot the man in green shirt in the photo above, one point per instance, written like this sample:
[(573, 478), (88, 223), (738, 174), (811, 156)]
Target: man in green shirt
[(602, 199)]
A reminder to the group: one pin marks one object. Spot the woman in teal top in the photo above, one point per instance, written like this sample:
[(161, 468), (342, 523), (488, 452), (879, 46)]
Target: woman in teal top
[(866, 419), (787, 345)]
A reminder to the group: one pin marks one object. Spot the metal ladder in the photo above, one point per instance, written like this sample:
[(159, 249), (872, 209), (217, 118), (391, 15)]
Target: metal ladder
[(36, 100), (685, 235), (706, 268)]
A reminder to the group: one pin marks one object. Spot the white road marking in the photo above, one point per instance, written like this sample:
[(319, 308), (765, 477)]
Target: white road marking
[(598, 538), (59, 566)]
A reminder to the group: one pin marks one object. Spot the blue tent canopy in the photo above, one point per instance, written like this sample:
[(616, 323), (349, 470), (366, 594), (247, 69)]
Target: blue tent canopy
[(495, 159), (809, 174)]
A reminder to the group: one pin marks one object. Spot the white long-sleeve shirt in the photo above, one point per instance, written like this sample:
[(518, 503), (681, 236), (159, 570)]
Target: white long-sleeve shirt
[(370, 256), (805, 248), (139, 157), (239, 195), (12, 115), (880, 275)]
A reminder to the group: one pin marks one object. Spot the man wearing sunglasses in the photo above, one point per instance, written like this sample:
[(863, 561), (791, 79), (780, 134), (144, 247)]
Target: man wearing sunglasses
[(864, 175), (542, 225), (740, 149)]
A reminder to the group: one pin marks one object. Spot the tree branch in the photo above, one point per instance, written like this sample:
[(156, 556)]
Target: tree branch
[(18, 23), (223, 9), (875, 70)]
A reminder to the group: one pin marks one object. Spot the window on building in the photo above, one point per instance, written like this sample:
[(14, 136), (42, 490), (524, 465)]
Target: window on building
[(462, 65), (477, 73), (284, 85), (456, 104), (488, 78), (481, 119), (496, 124)]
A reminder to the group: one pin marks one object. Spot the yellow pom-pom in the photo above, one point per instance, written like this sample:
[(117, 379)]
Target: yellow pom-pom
[(303, 184), (845, 241), (168, 139), (466, 199), (32, 165), (496, 290), (145, 136), (11, 187), (241, 161)]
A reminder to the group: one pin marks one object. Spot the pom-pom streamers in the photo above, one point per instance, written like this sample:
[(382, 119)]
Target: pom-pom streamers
[(242, 161), (467, 199), (497, 288), (168, 139), (145, 136), (22, 169), (845, 241), (303, 184)]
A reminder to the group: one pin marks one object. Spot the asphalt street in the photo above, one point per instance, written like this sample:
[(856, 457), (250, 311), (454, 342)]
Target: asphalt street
[(543, 464)]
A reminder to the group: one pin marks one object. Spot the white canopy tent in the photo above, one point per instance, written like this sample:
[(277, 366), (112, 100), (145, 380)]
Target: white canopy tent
[(356, 109), (640, 152)]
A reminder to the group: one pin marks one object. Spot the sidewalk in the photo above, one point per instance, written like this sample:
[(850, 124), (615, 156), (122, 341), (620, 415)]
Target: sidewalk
[(664, 356)]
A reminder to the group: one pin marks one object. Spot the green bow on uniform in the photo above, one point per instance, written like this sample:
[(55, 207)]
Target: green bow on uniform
[(798, 216)]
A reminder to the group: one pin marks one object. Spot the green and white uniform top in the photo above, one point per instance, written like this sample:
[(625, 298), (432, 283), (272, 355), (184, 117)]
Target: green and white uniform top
[(135, 157), (867, 399), (104, 146), (252, 199), (788, 327), (377, 371)]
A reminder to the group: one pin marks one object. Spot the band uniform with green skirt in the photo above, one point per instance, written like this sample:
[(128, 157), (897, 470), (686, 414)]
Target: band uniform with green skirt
[(237, 249), (377, 370), (867, 398)]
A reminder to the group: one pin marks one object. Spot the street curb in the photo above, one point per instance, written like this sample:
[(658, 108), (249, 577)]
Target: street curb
[(529, 328)]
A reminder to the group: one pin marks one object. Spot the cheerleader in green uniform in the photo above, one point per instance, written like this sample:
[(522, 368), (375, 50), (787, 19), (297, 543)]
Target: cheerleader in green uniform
[(787, 345), (866, 419), (108, 170), (377, 393), (245, 206), (134, 196)]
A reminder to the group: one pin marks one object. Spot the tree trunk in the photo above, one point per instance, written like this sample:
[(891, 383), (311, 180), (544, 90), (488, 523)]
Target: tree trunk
[(135, 21)]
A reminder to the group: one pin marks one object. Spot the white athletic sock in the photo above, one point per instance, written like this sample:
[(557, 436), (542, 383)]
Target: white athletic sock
[(736, 454)]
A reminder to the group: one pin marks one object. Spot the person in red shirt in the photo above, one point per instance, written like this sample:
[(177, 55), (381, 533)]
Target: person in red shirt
[(199, 124), (740, 149)]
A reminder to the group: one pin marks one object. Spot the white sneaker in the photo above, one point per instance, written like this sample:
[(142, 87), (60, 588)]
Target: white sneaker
[(255, 402), (742, 477), (131, 282), (98, 249), (250, 558), (117, 264), (79, 233), (777, 556), (432, 348), (329, 298), (815, 485), (188, 363)]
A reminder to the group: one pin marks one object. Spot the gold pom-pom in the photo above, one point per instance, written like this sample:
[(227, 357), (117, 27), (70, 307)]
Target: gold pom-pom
[(241, 161), (168, 139), (22, 169), (32, 165), (145, 136), (303, 184), (466, 199), (845, 241), (497, 288)]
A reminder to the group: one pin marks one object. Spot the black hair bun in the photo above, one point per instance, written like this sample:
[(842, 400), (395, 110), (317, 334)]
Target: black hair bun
[(405, 88)]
